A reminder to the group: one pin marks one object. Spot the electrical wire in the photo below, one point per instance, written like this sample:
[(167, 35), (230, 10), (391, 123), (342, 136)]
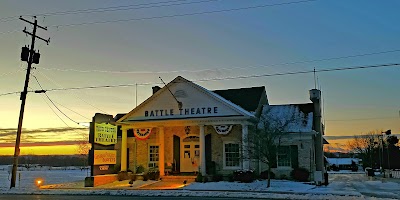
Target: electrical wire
[(225, 78), (221, 69), (54, 103), (90, 10), (236, 77), (77, 96), (183, 15), (128, 8)]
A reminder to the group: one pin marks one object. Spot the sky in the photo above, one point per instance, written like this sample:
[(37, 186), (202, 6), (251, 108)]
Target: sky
[(136, 42)]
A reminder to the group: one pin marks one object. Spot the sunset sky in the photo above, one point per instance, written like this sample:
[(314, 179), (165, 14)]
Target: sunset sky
[(197, 39)]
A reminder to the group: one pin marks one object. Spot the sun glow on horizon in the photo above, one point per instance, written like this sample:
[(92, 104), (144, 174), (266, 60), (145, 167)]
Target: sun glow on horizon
[(43, 150)]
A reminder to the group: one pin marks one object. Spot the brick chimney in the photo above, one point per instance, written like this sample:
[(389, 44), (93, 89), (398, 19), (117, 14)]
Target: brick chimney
[(155, 89)]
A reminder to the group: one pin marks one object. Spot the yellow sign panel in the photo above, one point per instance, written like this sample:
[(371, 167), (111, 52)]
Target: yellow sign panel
[(104, 157), (105, 134)]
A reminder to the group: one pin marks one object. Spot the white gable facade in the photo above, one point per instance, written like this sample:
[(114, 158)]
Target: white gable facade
[(184, 127)]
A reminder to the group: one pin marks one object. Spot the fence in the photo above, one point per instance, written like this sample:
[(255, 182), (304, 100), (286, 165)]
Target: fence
[(396, 174)]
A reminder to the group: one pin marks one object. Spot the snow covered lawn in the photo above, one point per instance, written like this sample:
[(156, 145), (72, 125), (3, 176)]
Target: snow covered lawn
[(25, 179), (276, 185)]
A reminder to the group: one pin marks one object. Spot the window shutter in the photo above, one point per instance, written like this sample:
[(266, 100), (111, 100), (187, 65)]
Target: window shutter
[(294, 156)]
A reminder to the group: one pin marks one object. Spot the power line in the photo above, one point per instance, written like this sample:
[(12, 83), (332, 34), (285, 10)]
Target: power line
[(220, 79), (232, 78), (94, 10), (128, 8), (77, 96), (54, 103), (235, 68), (185, 14)]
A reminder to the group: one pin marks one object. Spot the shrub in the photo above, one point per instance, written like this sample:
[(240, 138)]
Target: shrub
[(199, 178), (244, 176), (145, 177), (217, 177), (230, 178), (153, 175), (300, 174), (139, 169), (116, 169), (123, 175), (264, 175), (283, 177)]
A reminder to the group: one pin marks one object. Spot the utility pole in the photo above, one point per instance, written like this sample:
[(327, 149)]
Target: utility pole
[(31, 57)]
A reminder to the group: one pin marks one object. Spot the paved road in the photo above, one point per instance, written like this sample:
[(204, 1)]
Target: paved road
[(76, 197), (368, 186)]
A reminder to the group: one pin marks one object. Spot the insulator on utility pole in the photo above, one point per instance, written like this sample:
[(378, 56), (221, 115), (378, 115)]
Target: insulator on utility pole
[(36, 57), (25, 54)]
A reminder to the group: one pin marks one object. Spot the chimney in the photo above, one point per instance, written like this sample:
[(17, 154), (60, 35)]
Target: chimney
[(155, 89)]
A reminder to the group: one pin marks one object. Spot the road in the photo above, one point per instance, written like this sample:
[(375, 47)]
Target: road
[(76, 197), (367, 186)]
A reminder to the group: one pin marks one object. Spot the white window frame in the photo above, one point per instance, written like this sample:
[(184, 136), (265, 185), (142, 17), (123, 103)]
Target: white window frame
[(148, 156), (224, 155), (289, 157)]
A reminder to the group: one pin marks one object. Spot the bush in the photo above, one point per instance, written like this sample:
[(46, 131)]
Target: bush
[(300, 174), (230, 178), (139, 169), (153, 175), (145, 177), (264, 175), (283, 177), (244, 176), (199, 178), (122, 175), (116, 169), (217, 177)]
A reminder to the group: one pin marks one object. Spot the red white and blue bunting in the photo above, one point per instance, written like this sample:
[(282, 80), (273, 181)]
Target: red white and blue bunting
[(223, 129), (142, 133)]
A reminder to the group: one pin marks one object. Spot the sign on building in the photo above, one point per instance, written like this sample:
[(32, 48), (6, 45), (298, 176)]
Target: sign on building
[(105, 134), (105, 157)]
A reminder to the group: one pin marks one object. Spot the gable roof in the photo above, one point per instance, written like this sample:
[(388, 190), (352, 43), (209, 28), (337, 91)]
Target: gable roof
[(179, 80), (247, 98), (296, 117)]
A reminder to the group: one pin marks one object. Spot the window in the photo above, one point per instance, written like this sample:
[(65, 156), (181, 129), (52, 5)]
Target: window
[(153, 156), (231, 155), (283, 156)]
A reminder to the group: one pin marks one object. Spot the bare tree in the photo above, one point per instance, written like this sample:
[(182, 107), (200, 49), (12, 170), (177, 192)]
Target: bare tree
[(366, 145), (264, 139)]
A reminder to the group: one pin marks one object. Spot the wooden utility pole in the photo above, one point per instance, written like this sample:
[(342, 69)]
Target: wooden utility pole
[(30, 60)]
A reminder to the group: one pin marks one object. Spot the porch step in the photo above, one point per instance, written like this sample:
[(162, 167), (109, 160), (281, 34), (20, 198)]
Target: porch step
[(166, 178)]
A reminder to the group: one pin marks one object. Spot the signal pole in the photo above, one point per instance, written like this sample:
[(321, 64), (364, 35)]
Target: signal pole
[(33, 58)]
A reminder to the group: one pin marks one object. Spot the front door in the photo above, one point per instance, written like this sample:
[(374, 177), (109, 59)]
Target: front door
[(190, 154)]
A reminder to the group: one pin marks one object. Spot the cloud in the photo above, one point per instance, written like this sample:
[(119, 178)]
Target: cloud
[(347, 137), (8, 135), (55, 143)]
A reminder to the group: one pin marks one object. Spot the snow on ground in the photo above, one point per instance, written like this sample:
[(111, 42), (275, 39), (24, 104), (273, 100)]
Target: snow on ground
[(342, 186), (25, 179)]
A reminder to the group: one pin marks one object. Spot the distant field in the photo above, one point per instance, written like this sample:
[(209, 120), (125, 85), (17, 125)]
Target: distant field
[(25, 179)]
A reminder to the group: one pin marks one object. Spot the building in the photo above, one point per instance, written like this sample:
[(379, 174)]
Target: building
[(185, 128)]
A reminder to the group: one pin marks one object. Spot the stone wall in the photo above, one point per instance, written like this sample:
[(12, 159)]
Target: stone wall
[(217, 146)]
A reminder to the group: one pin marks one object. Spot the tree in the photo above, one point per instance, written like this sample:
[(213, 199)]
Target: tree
[(264, 139), (367, 146)]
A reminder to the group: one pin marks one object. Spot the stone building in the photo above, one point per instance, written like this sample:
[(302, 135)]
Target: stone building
[(185, 128)]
